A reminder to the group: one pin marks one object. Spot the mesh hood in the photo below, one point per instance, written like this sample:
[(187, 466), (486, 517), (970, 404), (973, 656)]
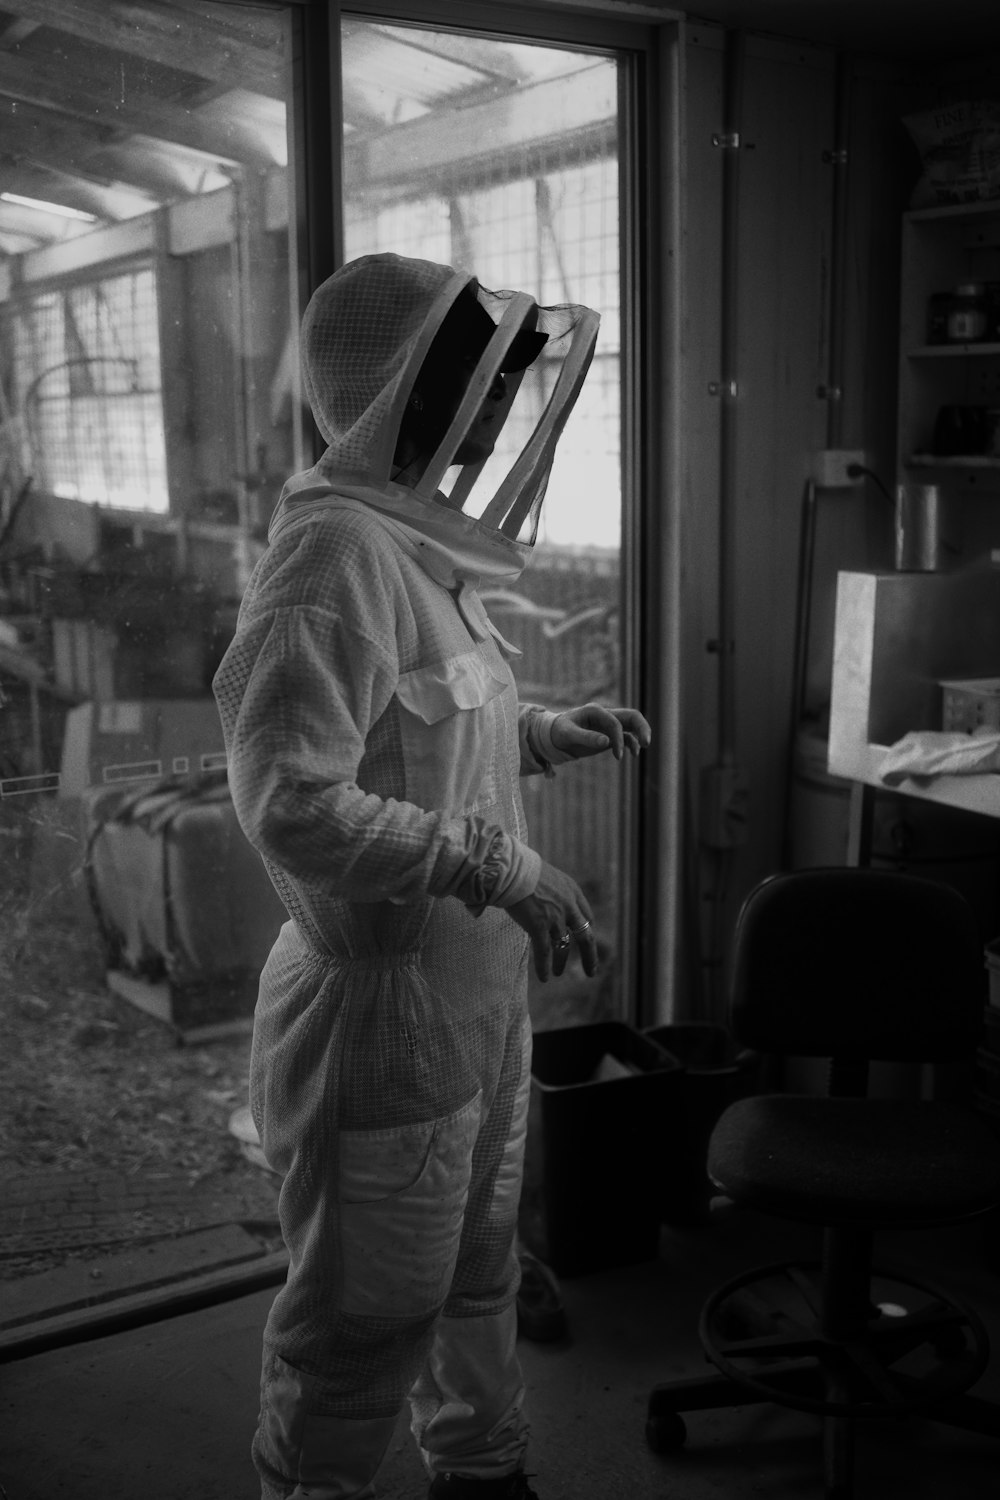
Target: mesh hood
[(365, 335)]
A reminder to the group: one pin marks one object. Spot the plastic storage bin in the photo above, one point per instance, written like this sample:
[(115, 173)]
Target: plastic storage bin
[(184, 903), (604, 1101), (716, 1072)]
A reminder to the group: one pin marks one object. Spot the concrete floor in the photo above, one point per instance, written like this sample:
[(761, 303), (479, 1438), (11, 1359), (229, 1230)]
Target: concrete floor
[(166, 1412)]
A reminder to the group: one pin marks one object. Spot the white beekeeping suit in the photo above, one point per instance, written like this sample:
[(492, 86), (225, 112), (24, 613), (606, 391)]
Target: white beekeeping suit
[(375, 742)]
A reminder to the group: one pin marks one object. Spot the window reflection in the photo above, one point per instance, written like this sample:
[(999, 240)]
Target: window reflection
[(149, 412), (85, 372), (501, 158)]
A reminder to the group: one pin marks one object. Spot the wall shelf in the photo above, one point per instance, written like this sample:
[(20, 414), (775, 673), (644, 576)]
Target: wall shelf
[(957, 213), (952, 461), (978, 350), (944, 247)]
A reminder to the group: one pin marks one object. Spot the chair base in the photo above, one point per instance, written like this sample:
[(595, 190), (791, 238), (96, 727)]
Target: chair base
[(917, 1352), (912, 1345)]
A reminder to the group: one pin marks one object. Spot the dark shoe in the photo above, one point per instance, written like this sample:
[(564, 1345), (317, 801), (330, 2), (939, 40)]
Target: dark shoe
[(457, 1487), (541, 1315)]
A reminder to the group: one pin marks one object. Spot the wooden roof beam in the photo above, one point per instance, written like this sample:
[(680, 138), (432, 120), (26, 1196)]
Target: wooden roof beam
[(13, 31), (357, 114), (47, 87), (38, 225), (490, 59), (460, 140), (70, 147), (107, 201), (189, 41)]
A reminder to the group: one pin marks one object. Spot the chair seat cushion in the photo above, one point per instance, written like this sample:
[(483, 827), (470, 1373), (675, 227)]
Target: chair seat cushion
[(878, 1162)]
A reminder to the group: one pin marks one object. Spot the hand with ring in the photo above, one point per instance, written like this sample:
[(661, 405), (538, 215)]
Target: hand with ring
[(592, 728), (556, 916)]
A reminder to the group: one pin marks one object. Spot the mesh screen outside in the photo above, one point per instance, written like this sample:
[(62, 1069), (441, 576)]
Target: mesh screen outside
[(87, 371)]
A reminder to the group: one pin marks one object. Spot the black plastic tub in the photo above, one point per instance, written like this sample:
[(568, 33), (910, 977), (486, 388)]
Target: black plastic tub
[(604, 1097), (715, 1073)]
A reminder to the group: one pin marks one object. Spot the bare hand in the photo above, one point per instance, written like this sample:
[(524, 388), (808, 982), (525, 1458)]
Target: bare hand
[(554, 916), (592, 729)]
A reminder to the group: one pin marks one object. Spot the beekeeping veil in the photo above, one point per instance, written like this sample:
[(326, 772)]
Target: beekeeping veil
[(365, 337)]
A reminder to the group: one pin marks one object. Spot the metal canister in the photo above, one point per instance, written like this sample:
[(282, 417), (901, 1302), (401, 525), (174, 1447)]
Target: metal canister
[(925, 524), (992, 291), (939, 306), (968, 317)]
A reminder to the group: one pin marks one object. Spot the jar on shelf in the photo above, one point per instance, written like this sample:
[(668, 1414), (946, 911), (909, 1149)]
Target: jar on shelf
[(992, 290), (939, 306), (968, 316)]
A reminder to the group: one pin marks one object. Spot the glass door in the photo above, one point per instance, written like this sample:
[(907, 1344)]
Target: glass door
[(152, 229), (502, 157)]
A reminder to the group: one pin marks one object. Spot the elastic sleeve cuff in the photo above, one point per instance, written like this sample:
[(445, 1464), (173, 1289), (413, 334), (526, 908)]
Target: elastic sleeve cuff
[(494, 868), (538, 753), (526, 869), (542, 727)]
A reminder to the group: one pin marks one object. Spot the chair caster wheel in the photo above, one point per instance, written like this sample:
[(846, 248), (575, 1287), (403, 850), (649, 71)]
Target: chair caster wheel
[(665, 1432)]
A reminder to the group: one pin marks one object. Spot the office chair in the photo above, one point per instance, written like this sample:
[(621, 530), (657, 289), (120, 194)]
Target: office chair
[(852, 965)]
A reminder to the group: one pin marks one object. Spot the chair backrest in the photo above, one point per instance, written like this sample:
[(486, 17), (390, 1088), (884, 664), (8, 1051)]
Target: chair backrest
[(858, 964)]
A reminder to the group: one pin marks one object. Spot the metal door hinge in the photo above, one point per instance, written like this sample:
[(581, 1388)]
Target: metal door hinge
[(723, 388), (836, 158), (728, 140)]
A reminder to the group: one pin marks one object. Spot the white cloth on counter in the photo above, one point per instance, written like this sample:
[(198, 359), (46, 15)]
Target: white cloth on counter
[(925, 753)]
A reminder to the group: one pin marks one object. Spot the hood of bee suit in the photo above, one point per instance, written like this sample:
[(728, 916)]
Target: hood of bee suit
[(365, 336)]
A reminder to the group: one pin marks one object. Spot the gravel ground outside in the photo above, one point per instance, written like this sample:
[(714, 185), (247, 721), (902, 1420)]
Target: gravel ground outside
[(93, 1089), (99, 1101)]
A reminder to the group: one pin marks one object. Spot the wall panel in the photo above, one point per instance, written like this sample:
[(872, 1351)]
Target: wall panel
[(785, 265)]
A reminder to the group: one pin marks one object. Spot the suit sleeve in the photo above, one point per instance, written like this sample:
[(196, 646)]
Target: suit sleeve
[(298, 691)]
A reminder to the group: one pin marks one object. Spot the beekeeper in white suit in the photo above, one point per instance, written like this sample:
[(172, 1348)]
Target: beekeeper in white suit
[(375, 742)]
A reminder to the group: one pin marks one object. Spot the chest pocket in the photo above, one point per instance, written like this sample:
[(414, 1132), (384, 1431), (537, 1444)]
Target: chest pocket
[(451, 715)]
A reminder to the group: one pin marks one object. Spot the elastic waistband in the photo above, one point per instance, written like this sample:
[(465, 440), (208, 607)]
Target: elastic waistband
[(407, 958), (297, 933)]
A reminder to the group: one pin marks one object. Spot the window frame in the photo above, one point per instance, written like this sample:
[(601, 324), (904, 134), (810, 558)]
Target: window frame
[(653, 944), (647, 946)]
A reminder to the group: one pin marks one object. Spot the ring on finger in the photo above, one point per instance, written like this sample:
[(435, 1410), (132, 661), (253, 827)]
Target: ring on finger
[(563, 942), (578, 931)]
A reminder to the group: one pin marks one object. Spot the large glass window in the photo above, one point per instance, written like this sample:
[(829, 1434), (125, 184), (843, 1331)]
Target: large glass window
[(502, 158), (151, 238), (149, 413)]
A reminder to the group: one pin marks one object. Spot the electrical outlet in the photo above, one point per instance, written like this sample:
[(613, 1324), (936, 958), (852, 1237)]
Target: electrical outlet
[(830, 468)]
